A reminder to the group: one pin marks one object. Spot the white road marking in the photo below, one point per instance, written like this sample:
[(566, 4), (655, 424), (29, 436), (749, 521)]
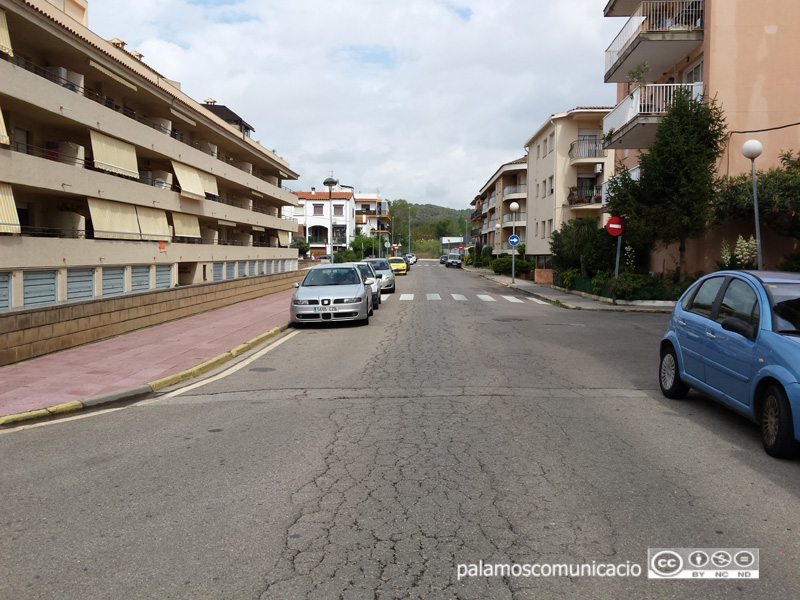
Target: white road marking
[(486, 298), (513, 299), (538, 301), (406, 296), (433, 297), (459, 297), (385, 297)]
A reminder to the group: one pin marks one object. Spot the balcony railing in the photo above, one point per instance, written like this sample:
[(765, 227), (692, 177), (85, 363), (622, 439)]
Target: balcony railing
[(130, 113), (514, 189), (585, 195), (652, 99), (587, 149), (520, 215), (653, 17)]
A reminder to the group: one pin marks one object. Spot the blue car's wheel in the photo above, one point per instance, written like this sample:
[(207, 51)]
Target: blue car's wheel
[(777, 431), (669, 377)]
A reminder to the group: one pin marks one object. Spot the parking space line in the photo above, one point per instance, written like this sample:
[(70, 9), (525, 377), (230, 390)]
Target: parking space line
[(433, 297), (459, 297), (513, 299), (486, 298), (406, 296)]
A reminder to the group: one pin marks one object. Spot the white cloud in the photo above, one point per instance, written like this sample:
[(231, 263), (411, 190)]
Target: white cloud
[(422, 99)]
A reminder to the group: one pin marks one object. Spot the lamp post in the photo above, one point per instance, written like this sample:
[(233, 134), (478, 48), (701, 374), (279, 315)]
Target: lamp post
[(513, 207), (465, 238), (329, 183), (752, 150), (497, 238)]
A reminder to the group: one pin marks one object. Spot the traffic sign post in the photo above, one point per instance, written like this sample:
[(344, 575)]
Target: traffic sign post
[(615, 227)]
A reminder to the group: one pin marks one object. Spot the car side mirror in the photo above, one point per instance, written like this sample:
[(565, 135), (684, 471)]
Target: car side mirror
[(738, 326), (379, 276), (369, 281), (295, 285)]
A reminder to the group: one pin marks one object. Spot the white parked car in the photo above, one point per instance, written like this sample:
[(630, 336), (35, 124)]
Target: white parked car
[(332, 292), (369, 272)]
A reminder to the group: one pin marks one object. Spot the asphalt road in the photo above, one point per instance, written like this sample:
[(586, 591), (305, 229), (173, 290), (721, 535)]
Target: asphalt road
[(386, 461)]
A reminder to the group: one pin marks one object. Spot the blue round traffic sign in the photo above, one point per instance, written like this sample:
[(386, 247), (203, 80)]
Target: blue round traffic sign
[(514, 240)]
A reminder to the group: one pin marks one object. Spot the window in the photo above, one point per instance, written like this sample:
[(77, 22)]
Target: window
[(538, 150), (318, 209), (536, 230), (537, 190), (338, 210), (552, 141), (551, 185), (544, 148), (739, 301), (703, 300), (550, 228)]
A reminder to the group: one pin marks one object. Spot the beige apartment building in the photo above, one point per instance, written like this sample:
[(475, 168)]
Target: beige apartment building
[(742, 53), (492, 216), (566, 166), (112, 180)]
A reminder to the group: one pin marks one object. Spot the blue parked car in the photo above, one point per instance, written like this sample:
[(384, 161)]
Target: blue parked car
[(735, 336)]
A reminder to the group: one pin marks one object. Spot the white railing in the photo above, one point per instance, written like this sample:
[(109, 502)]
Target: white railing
[(520, 216), (650, 99), (656, 16), (514, 189)]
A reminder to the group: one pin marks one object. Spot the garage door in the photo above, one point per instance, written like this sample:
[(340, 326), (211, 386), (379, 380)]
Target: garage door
[(113, 281), (39, 288), (80, 284), (5, 291), (163, 276), (219, 271), (140, 279)]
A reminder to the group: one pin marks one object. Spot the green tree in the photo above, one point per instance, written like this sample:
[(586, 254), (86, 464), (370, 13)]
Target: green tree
[(778, 197), (301, 244), (678, 182)]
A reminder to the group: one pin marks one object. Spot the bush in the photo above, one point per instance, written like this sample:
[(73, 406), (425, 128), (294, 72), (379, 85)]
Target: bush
[(345, 256), (791, 262), (502, 266)]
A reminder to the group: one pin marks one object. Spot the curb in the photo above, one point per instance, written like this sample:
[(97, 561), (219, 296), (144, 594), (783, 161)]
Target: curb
[(140, 390)]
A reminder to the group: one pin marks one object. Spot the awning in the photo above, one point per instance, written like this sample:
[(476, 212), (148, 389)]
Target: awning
[(5, 39), (209, 183), (114, 220), (113, 75), (255, 228), (226, 223), (153, 224), (3, 131), (189, 180), (186, 225), (183, 117), (113, 155), (9, 219), (283, 238)]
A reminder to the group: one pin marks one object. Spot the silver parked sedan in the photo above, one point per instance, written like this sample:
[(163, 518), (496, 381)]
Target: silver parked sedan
[(333, 292), (383, 268)]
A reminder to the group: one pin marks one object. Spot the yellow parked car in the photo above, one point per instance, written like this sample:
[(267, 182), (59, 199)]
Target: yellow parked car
[(398, 265)]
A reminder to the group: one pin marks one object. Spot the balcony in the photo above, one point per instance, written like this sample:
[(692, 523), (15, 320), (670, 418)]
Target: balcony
[(634, 121), (518, 218), (510, 192), (581, 198), (659, 33), (586, 149)]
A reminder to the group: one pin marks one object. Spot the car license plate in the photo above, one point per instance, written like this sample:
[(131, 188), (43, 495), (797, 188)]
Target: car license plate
[(324, 309)]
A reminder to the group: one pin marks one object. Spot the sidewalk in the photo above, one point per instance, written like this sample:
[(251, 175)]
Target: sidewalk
[(573, 300), (139, 362)]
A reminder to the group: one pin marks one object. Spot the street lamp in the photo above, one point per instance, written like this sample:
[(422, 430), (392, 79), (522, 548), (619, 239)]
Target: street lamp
[(752, 150), (329, 183), (497, 237), (513, 207)]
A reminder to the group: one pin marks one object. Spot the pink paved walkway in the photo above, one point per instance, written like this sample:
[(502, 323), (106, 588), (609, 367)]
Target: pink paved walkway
[(137, 358)]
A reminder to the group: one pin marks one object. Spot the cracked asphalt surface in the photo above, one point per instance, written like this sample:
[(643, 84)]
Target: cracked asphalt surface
[(370, 462)]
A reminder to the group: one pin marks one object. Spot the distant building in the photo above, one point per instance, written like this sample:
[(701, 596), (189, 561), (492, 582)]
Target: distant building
[(317, 212), (112, 180)]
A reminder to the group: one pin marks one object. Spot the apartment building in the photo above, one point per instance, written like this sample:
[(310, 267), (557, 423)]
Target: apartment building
[(736, 51), (318, 213), (114, 181), (492, 214), (372, 214), (566, 166)]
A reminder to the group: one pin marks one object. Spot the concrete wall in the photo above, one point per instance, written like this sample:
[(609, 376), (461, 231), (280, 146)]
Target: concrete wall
[(26, 334)]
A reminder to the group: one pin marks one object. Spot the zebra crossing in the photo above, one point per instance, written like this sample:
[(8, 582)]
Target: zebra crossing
[(434, 297)]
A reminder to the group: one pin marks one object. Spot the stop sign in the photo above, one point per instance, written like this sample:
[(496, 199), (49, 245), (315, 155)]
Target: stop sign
[(461, 247), (614, 226)]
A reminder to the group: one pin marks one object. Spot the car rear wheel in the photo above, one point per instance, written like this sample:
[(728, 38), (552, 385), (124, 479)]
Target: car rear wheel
[(669, 377), (777, 430)]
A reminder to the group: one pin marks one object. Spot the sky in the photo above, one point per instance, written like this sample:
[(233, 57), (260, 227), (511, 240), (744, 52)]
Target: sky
[(416, 99)]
